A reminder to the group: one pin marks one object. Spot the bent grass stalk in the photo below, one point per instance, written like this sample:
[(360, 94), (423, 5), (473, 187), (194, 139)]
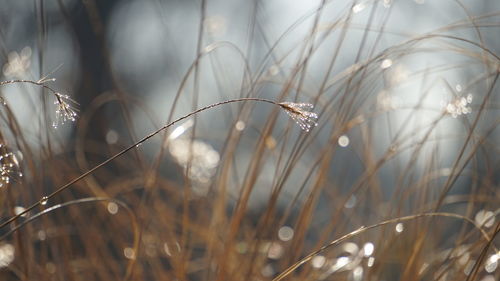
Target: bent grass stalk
[(66, 107), (130, 213), (363, 229), (298, 112), (354, 88)]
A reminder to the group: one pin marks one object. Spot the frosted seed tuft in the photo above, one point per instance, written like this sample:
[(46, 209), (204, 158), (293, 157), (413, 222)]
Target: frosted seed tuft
[(300, 113)]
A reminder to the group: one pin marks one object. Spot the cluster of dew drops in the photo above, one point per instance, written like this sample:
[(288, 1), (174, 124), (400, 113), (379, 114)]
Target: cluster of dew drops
[(10, 169), (66, 110), (301, 114)]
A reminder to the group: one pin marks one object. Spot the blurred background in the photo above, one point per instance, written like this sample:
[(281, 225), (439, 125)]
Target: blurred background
[(408, 113)]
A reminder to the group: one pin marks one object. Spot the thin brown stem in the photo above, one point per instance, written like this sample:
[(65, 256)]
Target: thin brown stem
[(44, 199)]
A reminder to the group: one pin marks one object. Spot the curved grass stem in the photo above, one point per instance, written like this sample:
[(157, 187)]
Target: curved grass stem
[(45, 199)]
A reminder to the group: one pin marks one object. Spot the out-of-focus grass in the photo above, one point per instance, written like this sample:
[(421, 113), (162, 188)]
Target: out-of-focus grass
[(398, 180)]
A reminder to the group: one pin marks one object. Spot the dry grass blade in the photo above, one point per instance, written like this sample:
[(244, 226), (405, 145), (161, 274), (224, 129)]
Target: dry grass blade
[(391, 124)]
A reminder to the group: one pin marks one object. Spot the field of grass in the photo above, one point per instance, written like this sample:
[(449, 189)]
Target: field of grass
[(249, 140)]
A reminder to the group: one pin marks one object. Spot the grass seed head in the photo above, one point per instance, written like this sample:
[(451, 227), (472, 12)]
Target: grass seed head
[(9, 166), (300, 113), (65, 110)]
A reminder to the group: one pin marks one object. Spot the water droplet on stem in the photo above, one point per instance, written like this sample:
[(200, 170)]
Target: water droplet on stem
[(44, 200)]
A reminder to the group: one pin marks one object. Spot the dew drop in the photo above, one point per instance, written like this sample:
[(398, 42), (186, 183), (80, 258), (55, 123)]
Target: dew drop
[(7, 254), (129, 253), (492, 263), (285, 233), (240, 125), (44, 200), (351, 248), (469, 98), (368, 249), (485, 218), (19, 210), (318, 261), (343, 141), (42, 235), (112, 208), (399, 227), (386, 64), (275, 251), (340, 263), (112, 137), (358, 8)]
